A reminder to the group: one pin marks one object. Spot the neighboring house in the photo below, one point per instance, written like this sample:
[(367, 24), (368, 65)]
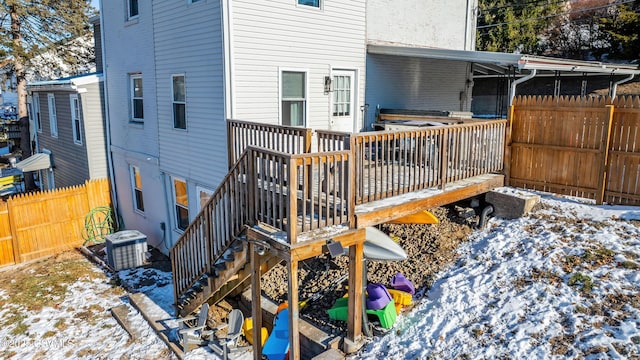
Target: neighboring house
[(176, 70), (69, 123)]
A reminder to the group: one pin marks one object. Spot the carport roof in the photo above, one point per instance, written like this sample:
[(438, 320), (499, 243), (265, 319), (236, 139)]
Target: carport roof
[(493, 63)]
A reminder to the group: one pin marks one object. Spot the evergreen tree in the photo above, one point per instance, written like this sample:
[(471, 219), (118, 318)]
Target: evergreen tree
[(623, 32), (27, 27), (515, 26)]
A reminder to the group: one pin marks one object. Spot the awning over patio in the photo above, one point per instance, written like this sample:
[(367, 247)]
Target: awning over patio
[(494, 63), (35, 162), (517, 67)]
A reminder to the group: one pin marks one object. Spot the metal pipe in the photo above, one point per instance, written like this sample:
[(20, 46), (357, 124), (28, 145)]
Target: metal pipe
[(483, 216), (520, 81), (614, 87)]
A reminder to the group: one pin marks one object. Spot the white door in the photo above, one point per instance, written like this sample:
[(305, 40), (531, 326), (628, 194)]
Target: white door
[(343, 113)]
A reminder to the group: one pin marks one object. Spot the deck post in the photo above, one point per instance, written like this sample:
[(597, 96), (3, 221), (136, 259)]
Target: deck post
[(256, 308), (294, 331), (354, 323), (292, 196)]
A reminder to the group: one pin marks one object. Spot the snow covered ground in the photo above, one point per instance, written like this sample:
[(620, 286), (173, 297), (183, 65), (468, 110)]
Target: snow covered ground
[(562, 282)]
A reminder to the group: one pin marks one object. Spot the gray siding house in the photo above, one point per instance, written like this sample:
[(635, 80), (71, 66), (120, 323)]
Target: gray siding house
[(69, 123)]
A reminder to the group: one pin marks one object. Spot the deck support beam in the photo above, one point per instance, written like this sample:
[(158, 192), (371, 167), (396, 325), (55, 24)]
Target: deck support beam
[(356, 272), (294, 316), (256, 308)]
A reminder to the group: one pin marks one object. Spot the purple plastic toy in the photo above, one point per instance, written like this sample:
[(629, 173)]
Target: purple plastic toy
[(378, 297), (399, 282)]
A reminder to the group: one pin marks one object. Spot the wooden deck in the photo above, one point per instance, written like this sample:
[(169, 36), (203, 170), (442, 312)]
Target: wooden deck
[(294, 202)]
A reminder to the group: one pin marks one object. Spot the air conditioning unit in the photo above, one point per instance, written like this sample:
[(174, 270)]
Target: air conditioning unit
[(126, 249)]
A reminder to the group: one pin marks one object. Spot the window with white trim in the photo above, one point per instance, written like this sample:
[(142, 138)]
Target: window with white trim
[(53, 118), (136, 186), (313, 3), (341, 95), (137, 105), (181, 203), (76, 119), (179, 102), (36, 112), (294, 101), (132, 9)]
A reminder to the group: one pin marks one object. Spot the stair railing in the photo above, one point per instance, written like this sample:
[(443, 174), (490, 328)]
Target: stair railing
[(213, 230)]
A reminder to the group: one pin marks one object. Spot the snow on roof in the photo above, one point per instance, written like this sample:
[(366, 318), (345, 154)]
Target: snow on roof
[(67, 82)]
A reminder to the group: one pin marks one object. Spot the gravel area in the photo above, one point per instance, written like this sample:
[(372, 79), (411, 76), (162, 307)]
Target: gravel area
[(430, 248)]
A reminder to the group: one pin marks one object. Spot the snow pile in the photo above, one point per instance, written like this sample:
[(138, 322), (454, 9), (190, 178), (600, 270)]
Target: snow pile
[(563, 281)]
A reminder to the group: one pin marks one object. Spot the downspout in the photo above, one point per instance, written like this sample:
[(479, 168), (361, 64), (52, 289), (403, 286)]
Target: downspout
[(227, 28), (614, 88), (114, 193), (520, 81)]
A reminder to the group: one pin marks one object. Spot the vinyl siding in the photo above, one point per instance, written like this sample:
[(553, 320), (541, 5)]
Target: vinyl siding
[(93, 136), (274, 35), (399, 82), (69, 159), (128, 48), (193, 48), (155, 207)]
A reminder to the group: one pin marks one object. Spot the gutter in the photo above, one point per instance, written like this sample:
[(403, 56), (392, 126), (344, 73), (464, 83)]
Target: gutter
[(512, 93), (614, 87)]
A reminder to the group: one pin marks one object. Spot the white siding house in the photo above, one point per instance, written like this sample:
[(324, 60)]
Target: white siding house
[(270, 38), (289, 62)]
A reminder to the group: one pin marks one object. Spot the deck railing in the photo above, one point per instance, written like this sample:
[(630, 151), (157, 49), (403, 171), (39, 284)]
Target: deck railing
[(292, 192), (286, 139), (332, 140), (302, 192), (213, 230), (392, 163)]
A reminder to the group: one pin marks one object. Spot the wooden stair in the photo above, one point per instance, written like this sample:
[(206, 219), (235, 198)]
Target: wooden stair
[(228, 277), (223, 271)]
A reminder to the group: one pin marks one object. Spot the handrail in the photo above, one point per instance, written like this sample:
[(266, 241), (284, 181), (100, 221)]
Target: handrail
[(392, 163), (294, 193), (301, 192), (287, 139), (211, 232)]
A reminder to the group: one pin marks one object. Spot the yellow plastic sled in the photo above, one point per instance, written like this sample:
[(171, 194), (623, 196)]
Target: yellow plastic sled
[(421, 217)]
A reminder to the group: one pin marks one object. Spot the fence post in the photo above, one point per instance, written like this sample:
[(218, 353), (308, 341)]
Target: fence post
[(506, 165), (604, 163), (17, 258)]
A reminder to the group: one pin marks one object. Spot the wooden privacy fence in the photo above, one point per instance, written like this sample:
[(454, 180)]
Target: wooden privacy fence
[(586, 147), (41, 224)]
